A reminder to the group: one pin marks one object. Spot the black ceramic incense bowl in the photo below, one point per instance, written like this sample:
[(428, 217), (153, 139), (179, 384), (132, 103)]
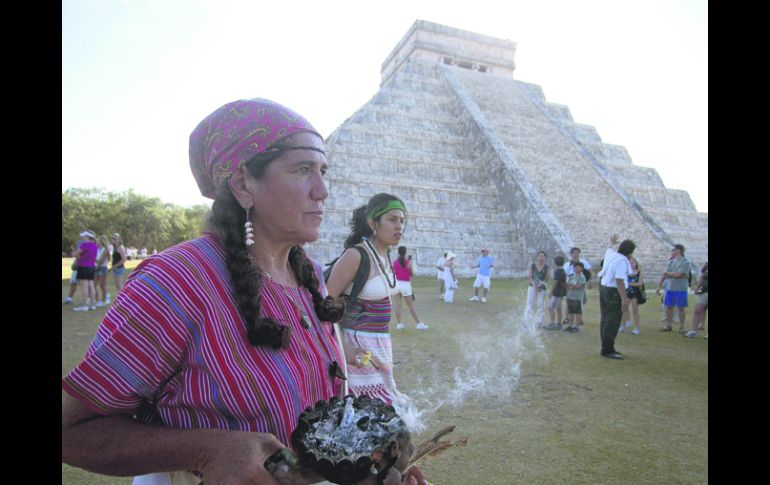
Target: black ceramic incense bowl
[(346, 441)]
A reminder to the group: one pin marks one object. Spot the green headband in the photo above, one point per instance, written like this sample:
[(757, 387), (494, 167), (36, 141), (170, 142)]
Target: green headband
[(390, 205)]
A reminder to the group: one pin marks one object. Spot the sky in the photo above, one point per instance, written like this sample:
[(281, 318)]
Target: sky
[(139, 75)]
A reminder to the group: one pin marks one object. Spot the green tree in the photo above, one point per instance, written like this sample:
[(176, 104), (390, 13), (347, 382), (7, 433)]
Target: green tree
[(142, 221)]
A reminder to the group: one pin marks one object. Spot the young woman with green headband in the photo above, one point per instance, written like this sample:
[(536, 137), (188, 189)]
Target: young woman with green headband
[(375, 227)]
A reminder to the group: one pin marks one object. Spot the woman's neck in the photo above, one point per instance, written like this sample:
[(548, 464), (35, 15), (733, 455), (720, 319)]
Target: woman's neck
[(382, 249), (273, 259)]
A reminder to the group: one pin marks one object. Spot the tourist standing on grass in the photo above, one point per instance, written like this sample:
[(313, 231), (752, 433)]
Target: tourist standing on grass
[(612, 295), (119, 258), (213, 348), (536, 292), (558, 293), (636, 297), (569, 268), (440, 275), (676, 274), (102, 268), (366, 339), (485, 263), (73, 275), (86, 258), (404, 271), (701, 307), (575, 285), (450, 280)]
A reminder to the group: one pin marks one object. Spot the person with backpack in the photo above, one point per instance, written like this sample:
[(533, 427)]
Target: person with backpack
[(364, 276)]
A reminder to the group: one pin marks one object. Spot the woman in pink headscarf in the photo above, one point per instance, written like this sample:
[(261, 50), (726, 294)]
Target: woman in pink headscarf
[(214, 347)]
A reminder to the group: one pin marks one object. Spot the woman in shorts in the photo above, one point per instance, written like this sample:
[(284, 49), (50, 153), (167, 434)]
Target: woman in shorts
[(86, 258), (102, 268), (118, 261), (404, 271)]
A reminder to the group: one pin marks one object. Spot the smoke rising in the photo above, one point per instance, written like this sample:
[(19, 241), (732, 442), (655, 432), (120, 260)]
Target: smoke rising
[(488, 366)]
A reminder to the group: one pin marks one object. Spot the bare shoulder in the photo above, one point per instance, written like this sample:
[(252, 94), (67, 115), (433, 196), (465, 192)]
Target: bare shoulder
[(343, 272), (351, 255)]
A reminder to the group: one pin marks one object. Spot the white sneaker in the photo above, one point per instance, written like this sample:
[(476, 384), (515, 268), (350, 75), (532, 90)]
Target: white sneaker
[(483, 300), (80, 309), (706, 337), (107, 299), (399, 325), (691, 334), (66, 301), (473, 298), (99, 304), (635, 331), (422, 326)]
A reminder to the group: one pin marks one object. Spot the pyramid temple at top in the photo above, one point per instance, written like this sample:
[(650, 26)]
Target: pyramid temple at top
[(481, 159)]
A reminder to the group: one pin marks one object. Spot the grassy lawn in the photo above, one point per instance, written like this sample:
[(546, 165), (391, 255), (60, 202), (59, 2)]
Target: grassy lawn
[(537, 407)]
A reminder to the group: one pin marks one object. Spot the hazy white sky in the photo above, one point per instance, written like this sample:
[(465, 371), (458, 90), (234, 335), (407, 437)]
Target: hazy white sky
[(138, 75)]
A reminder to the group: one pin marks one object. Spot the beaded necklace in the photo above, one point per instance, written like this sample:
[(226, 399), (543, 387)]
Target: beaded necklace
[(381, 264), (335, 370)]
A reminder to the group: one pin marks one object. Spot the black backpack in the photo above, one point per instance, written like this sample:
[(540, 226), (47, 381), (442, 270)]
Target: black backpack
[(361, 276)]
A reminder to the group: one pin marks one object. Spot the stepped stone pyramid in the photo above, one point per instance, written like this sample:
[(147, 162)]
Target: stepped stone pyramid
[(481, 159)]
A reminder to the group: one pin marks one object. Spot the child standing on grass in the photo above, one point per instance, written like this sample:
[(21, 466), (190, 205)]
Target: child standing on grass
[(557, 294), (575, 291)]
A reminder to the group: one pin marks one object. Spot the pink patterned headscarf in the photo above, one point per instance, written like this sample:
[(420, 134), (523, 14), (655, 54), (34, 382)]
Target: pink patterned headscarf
[(235, 133)]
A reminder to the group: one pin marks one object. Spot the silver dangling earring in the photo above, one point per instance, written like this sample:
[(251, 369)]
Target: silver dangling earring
[(249, 230)]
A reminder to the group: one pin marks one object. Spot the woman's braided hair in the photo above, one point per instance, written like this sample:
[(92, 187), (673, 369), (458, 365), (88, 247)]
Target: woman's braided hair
[(227, 221)]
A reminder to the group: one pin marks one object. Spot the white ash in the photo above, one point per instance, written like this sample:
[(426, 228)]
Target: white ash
[(347, 432)]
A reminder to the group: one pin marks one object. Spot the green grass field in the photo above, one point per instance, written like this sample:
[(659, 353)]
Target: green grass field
[(539, 407)]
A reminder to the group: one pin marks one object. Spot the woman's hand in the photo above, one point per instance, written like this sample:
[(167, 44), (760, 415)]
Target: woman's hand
[(404, 449), (238, 458)]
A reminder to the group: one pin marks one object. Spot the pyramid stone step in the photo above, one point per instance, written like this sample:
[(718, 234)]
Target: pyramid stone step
[(559, 111)]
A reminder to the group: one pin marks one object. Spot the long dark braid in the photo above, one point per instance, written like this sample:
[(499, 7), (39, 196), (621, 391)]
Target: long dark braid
[(327, 309), (227, 219)]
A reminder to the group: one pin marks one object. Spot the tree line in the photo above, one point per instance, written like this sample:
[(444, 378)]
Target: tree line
[(141, 221)]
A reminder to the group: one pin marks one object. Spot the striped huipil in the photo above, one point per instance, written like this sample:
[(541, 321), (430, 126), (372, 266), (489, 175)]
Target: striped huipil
[(172, 350)]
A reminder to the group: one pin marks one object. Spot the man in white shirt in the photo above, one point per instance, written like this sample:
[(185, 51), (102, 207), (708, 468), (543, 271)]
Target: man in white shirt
[(612, 295), (569, 268)]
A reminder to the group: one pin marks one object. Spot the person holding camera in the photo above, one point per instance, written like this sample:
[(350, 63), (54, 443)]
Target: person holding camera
[(538, 286)]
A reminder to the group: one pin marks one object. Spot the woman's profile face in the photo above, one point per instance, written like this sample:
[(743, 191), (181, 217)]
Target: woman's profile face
[(289, 198), (390, 227)]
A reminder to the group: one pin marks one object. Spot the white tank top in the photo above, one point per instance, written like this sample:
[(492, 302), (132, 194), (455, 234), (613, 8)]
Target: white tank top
[(376, 288)]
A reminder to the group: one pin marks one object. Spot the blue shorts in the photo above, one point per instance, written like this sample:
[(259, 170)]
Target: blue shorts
[(676, 298), (119, 271), (101, 271)]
